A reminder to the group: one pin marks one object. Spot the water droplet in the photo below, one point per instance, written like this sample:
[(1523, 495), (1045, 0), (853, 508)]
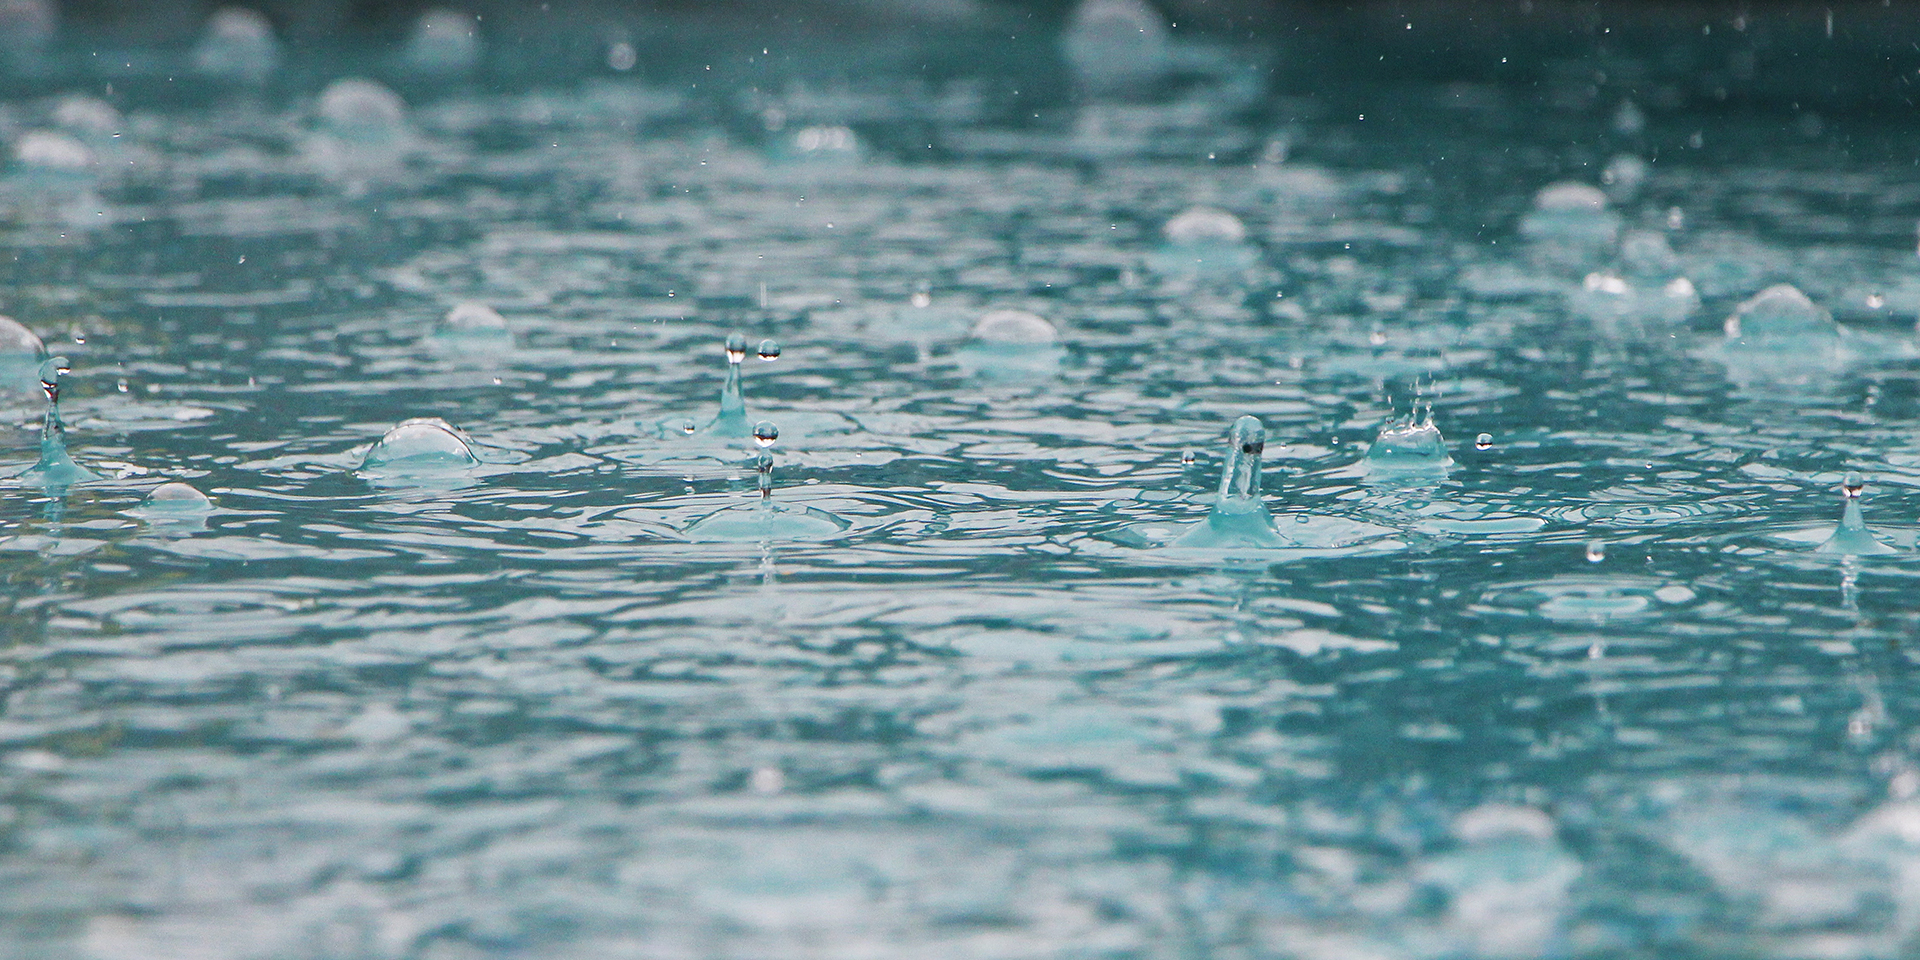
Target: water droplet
[(769, 350), (922, 298), (765, 433), (1596, 551), (688, 427), (766, 781), (1483, 442), (237, 45), (1187, 457), (1875, 301), (1853, 486), (1377, 336), (736, 348)]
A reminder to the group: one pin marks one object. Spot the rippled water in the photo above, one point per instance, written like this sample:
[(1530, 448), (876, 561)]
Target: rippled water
[(1590, 690)]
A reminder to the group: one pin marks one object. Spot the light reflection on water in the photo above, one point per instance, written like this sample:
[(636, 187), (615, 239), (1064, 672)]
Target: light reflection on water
[(520, 709)]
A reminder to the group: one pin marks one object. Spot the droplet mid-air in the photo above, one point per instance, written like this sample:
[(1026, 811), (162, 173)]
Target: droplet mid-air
[(237, 46), (55, 469), (1483, 442), (422, 444), (1852, 536)]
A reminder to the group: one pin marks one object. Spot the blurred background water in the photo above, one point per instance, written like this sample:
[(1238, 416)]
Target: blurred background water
[(596, 480)]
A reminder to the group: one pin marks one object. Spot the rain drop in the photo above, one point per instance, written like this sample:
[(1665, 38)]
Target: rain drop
[(1596, 551), (769, 350), (1483, 442)]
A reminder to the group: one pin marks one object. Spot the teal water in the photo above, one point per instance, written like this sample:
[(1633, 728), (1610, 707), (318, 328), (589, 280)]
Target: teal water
[(1597, 685)]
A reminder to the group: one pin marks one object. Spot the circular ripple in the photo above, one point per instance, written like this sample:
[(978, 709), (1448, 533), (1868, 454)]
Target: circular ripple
[(1578, 599)]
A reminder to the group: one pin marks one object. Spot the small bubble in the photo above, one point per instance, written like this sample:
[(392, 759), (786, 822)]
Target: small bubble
[(1853, 486), (765, 433), (736, 348), (769, 350), (1596, 551), (1483, 442)]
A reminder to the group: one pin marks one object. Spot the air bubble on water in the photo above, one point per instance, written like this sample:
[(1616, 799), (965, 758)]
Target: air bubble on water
[(237, 45), (1779, 313), (826, 142), (1596, 551), (1115, 45), (50, 152), (444, 42), (622, 57), (1570, 214), (89, 117), (1013, 327), (16, 341), (473, 317), (1483, 442), (421, 442), (177, 499), (1205, 225), (357, 109), (1629, 120), (769, 350), (736, 348)]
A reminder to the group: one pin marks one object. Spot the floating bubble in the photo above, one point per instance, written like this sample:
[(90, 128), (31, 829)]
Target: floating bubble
[(1570, 224), (176, 498), (1205, 225), (50, 153), (1013, 327), (421, 443), (237, 45), (1115, 46), (1779, 314), (362, 110), (444, 43), (89, 117)]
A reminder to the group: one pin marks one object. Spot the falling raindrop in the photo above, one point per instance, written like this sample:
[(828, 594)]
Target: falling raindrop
[(1483, 442), (769, 350), (1596, 551)]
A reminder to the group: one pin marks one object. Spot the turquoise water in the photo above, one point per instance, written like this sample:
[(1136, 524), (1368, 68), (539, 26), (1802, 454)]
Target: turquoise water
[(1557, 667)]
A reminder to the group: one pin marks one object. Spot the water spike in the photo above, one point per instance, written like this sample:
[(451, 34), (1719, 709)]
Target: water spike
[(1852, 536), (1238, 518), (732, 420), (736, 348), (55, 468)]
